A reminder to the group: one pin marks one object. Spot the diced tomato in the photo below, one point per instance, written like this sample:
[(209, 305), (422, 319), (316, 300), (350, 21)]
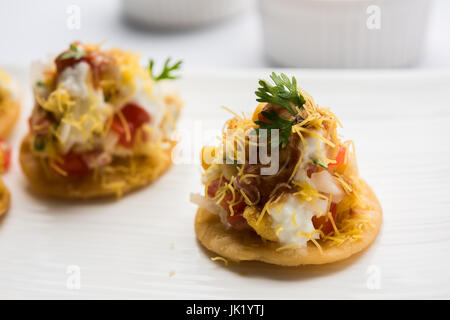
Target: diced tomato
[(135, 116), (214, 186), (118, 127), (6, 155), (312, 168), (323, 222), (62, 64), (236, 220), (340, 158), (74, 165)]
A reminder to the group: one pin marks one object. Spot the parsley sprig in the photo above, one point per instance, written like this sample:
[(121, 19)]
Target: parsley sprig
[(166, 73), (284, 126), (74, 52), (284, 92)]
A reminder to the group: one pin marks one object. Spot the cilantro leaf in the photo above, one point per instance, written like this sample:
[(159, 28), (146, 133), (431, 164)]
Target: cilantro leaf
[(276, 122), (74, 52), (317, 163), (167, 70), (284, 92)]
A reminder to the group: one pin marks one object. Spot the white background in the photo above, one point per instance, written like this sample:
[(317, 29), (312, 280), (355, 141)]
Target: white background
[(29, 29)]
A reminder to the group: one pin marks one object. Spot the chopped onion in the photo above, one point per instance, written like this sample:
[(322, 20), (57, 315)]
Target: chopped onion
[(320, 206), (211, 206), (110, 141), (324, 182)]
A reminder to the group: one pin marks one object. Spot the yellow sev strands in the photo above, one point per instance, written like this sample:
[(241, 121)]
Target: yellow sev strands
[(218, 258), (347, 226)]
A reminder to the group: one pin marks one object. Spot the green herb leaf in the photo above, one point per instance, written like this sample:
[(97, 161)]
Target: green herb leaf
[(74, 52), (166, 73), (276, 122), (317, 163), (40, 84), (284, 92)]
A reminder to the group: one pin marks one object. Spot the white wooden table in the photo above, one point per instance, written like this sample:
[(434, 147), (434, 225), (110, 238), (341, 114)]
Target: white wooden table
[(144, 246)]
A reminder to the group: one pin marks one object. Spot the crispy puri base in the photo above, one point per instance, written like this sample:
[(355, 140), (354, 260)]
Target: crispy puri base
[(8, 117), (243, 246), (5, 198), (50, 184)]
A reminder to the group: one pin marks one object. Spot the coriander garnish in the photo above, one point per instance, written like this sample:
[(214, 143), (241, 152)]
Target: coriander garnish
[(74, 52), (283, 93), (167, 70), (284, 126)]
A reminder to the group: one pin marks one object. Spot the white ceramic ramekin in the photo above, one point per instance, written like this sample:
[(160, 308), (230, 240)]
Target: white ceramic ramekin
[(344, 33), (176, 14)]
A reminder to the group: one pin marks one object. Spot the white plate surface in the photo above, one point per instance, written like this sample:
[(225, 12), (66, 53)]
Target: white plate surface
[(144, 246)]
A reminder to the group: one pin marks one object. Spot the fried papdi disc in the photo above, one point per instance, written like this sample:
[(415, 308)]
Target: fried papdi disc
[(47, 183), (9, 113), (243, 246), (5, 198)]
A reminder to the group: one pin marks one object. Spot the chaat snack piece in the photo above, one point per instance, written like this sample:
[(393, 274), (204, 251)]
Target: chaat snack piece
[(9, 104), (101, 123), (5, 198), (5, 161), (282, 187)]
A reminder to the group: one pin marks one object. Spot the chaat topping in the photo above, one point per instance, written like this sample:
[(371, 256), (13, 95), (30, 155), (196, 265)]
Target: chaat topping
[(284, 173), (93, 106)]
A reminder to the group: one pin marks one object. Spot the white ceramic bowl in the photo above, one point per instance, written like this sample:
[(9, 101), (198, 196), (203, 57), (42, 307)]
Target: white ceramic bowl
[(176, 14), (344, 33)]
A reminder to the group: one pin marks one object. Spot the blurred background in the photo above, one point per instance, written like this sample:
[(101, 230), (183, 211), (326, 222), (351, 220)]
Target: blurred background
[(237, 33)]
